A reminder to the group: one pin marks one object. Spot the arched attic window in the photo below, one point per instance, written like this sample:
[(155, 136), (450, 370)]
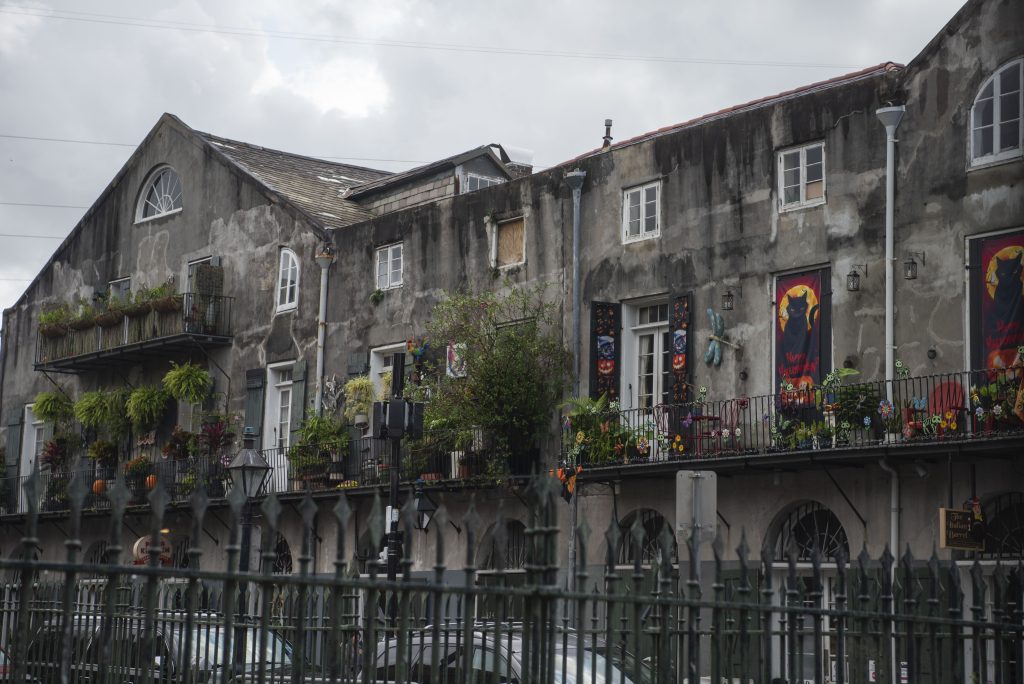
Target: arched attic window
[(996, 116), (287, 280), (161, 194)]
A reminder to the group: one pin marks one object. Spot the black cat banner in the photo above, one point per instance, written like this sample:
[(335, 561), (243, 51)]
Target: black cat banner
[(802, 329), (998, 299)]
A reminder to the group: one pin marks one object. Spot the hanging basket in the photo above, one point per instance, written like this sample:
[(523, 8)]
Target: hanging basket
[(167, 304), (109, 319)]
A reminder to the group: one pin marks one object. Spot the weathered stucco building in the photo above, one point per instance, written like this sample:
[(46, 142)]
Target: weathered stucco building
[(700, 245)]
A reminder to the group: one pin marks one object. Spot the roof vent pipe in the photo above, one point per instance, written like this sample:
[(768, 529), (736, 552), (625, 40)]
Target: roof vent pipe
[(890, 118), (607, 134)]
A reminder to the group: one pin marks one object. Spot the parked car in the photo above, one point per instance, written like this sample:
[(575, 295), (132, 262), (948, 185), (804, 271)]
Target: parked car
[(500, 663), (128, 651)]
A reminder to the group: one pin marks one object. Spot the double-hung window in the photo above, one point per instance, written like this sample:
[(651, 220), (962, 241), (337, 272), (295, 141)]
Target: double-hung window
[(389, 266), (802, 176), (119, 290), (996, 116), (641, 213), (475, 182), (287, 281)]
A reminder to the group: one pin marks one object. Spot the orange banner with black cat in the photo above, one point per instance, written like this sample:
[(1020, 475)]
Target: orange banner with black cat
[(997, 299), (803, 341)]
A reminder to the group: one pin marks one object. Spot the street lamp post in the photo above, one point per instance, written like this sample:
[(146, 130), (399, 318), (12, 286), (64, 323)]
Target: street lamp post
[(248, 470)]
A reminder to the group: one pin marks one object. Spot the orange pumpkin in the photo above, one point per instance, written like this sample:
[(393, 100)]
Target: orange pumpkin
[(99, 487), (150, 481)]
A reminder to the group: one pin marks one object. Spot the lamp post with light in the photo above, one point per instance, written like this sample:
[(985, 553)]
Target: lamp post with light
[(248, 470)]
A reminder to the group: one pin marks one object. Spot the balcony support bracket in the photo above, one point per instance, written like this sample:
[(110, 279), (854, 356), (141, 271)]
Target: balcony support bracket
[(227, 394), (56, 384), (846, 498)]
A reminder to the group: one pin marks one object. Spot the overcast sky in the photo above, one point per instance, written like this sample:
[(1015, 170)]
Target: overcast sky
[(390, 80)]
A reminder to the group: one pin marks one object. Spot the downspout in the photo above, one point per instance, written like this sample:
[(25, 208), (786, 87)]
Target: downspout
[(574, 179), (890, 118), (324, 259)]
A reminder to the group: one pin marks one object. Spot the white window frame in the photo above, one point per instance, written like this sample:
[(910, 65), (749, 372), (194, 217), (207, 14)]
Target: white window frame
[(151, 179), (289, 304), (33, 436), (380, 363), (273, 438), (996, 80), (803, 202), (118, 281), (658, 329), (644, 234), (482, 182), (495, 231), (389, 250)]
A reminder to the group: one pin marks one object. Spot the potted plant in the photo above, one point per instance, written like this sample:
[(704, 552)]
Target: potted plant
[(114, 313), (139, 304), (103, 453), (56, 453), (84, 318), (215, 437), (188, 382), (136, 472), (164, 299), (306, 467), (359, 394), (180, 445), (145, 406), (53, 322), (188, 483), (53, 407), (56, 495)]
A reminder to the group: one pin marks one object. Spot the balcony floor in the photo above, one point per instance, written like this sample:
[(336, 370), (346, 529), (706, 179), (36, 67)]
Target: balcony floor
[(136, 352)]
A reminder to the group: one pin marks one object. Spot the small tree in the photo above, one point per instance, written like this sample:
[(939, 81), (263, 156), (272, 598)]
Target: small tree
[(516, 365)]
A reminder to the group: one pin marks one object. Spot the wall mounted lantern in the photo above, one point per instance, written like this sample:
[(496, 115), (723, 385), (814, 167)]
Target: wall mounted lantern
[(910, 265), (853, 277), (729, 299)]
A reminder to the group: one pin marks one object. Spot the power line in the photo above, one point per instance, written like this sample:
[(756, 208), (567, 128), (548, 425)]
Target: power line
[(111, 19), (36, 237), (119, 144), (48, 206), (15, 280)]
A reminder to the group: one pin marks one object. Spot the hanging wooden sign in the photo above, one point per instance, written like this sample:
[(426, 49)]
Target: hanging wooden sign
[(959, 530)]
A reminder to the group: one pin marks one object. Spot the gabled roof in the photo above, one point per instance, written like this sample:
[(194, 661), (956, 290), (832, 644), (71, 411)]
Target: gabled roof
[(315, 186), (397, 179), (870, 72)]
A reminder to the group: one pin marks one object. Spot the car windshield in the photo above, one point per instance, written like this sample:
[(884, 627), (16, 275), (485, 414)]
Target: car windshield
[(208, 644), (566, 666)]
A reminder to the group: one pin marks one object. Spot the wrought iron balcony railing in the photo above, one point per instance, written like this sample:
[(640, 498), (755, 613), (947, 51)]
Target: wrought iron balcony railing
[(134, 335), (934, 409)]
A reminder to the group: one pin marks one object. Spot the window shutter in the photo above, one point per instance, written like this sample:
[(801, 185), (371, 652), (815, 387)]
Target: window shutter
[(254, 380), (679, 330), (13, 448), (605, 349), (298, 398), (358, 363)]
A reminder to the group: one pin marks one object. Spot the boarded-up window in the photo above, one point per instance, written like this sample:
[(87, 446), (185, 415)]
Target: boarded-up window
[(511, 243)]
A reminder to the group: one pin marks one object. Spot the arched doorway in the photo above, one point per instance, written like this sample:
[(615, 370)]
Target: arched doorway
[(806, 527), (1004, 533), (653, 525)]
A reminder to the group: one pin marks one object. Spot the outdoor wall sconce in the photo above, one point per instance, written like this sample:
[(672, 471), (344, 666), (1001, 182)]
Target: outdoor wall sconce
[(729, 299), (910, 265), (425, 509), (853, 277)]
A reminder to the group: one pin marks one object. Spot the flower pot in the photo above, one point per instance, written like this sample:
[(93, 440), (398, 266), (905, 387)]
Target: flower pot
[(150, 481), (109, 319), (167, 304), (53, 330), (138, 310), (82, 324), (360, 420), (430, 477), (99, 487)]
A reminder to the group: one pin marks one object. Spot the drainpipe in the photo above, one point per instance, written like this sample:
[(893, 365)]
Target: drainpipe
[(574, 179), (324, 259), (890, 118), (894, 544)]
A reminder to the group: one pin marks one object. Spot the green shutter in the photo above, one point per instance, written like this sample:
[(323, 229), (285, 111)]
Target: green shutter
[(298, 399), (254, 381)]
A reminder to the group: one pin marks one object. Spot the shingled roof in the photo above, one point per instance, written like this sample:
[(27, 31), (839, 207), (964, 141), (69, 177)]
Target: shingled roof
[(315, 186), (397, 179)]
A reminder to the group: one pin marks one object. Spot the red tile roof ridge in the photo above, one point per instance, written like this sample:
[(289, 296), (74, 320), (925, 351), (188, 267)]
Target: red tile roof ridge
[(836, 80)]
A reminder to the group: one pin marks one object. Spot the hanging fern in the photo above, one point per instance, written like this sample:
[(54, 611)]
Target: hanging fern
[(145, 407), (53, 407), (92, 409), (188, 382)]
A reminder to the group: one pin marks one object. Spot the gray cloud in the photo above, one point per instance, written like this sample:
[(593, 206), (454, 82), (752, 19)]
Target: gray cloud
[(101, 80)]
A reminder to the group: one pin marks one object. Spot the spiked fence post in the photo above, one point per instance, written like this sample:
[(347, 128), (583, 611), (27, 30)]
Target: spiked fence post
[(582, 539), (814, 599), (118, 496), (792, 605), (158, 501), (767, 616), (888, 610), (236, 499), (342, 513), (909, 608), (613, 537), (78, 489), (693, 609), (375, 530), (718, 588), (199, 502), (471, 524), (998, 582), (29, 548), (840, 618), (743, 590), (271, 509), (978, 614), (955, 611), (440, 521)]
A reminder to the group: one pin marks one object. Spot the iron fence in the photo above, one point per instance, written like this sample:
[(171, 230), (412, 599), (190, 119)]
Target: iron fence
[(830, 620), (908, 411)]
